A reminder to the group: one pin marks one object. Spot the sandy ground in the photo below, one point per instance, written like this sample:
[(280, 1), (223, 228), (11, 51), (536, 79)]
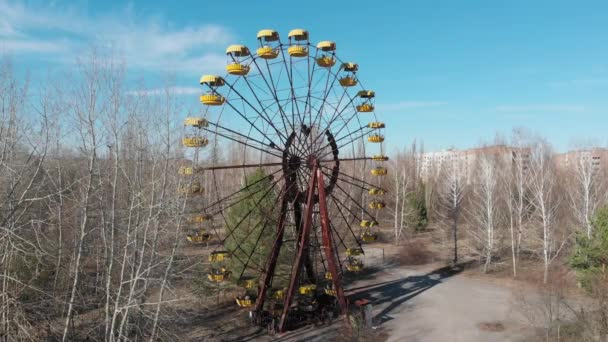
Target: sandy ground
[(441, 305), (422, 303)]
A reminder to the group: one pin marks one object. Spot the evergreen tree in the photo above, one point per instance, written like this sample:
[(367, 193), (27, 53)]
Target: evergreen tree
[(590, 257)]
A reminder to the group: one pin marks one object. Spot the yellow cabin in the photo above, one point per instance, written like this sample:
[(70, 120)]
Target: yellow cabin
[(326, 46), (350, 67), (196, 122), (212, 99), (375, 204), (375, 138), (298, 35), (238, 51), (354, 251), (219, 256), (199, 237), (212, 80), (298, 51), (237, 69), (379, 171), (379, 157), (279, 294), (308, 290), (368, 236), (376, 125), (366, 94), (249, 283), (328, 276), (365, 108), (267, 52), (194, 141), (193, 188), (364, 223), (376, 191), (348, 81), (329, 290), (326, 61), (200, 218), (244, 301), (268, 35), (185, 170), (354, 265), (218, 275)]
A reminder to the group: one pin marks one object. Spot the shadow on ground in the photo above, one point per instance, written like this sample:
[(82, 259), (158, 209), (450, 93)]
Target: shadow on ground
[(398, 292)]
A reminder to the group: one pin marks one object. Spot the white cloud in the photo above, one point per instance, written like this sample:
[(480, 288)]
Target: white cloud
[(150, 44), (163, 91), (404, 105), (569, 108)]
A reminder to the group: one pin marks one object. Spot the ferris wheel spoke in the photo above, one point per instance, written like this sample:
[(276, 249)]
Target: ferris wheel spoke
[(220, 201), (259, 148), (355, 201), (346, 222), (353, 177), (254, 208), (284, 116), (265, 107), (289, 71), (337, 114), (271, 145), (349, 141), (229, 103)]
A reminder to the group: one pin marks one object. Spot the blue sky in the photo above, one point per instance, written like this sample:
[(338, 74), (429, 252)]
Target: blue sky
[(450, 73)]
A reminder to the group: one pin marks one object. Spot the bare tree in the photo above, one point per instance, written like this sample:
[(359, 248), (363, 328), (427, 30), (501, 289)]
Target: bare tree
[(451, 195)]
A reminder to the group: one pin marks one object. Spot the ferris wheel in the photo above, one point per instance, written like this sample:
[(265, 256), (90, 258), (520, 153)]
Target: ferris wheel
[(302, 137)]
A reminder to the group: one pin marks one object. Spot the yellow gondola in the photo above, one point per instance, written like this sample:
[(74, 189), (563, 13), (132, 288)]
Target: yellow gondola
[(379, 157), (308, 289), (218, 275), (365, 108), (348, 81), (200, 218), (185, 170), (376, 204), (193, 188), (326, 61), (244, 301), (279, 294), (238, 51), (364, 223), (212, 99), (375, 138), (326, 46), (194, 141), (237, 69), (379, 171), (199, 237), (330, 290), (219, 256), (354, 251), (354, 265), (366, 94), (350, 67), (298, 34), (328, 276), (368, 236), (297, 51), (196, 122), (248, 283), (376, 191), (376, 125), (268, 35), (212, 80), (267, 52)]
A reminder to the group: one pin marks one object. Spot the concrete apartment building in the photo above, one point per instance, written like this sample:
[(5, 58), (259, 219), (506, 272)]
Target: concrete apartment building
[(596, 158), (433, 163)]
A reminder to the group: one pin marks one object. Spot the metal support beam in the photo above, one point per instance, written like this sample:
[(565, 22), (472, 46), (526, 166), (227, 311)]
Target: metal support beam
[(273, 257), (300, 251), (328, 245)]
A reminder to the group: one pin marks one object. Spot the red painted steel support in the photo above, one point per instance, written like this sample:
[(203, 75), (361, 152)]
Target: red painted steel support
[(295, 270), (328, 245), (273, 257)]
